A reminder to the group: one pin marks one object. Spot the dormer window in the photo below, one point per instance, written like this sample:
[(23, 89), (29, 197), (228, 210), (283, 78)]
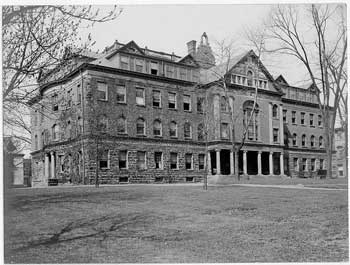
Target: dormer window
[(154, 68), (124, 62), (250, 78), (139, 65)]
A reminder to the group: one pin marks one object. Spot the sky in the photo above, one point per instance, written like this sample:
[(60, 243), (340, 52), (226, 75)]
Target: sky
[(168, 28)]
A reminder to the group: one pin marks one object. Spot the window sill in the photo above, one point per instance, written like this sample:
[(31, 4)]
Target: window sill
[(156, 107), (172, 109), (104, 168), (188, 111), (121, 103), (141, 135), (158, 136), (312, 126), (139, 105), (188, 138), (303, 124), (121, 133), (103, 100)]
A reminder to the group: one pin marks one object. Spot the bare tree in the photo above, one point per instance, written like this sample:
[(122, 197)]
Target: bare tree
[(35, 41), (317, 38)]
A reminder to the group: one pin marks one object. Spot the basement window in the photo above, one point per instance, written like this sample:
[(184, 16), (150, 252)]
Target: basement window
[(189, 179), (123, 179), (158, 179)]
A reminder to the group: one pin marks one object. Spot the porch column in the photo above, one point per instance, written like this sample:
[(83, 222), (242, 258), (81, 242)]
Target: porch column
[(209, 163), (281, 164), (271, 163), (281, 125), (46, 166), (259, 163), (53, 165), (245, 163), (218, 169), (232, 161)]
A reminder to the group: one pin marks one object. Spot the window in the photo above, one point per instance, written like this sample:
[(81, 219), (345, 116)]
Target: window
[(124, 62), (121, 94), (123, 159), (302, 118), (173, 129), (295, 143), (313, 164), (285, 116), (188, 161), (200, 102), (187, 130), (139, 65), (169, 71), (154, 68), (200, 131), (102, 91), (172, 101), (320, 142), (54, 102), (319, 121), (224, 131), (102, 123), (173, 160), (311, 119), (296, 163), (55, 132), (303, 140), (303, 164), (141, 160), (140, 96), (250, 78), (140, 126), (35, 118), (80, 125), (36, 142), (322, 164), (252, 125), (224, 104), (201, 161), (157, 100), (103, 161), (157, 128), (275, 111), (275, 135), (312, 141), (158, 160), (187, 103), (182, 73), (61, 163), (294, 117), (121, 125)]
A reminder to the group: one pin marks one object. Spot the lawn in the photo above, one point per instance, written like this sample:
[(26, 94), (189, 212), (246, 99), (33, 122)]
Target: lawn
[(176, 224)]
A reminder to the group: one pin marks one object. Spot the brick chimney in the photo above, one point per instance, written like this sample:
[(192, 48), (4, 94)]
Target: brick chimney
[(191, 47)]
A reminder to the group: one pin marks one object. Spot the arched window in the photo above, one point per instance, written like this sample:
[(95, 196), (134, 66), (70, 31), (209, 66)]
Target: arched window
[(251, 124), (80, 125), (303, 140), (223, 104), (55, 132), (187, 130), (121, 125), (140, 126), (275, 111), (200, 131), (173, 129), (320, 141), (157, 128), (35, 142), (69, 129), (295, 142), (312, 141), (250, 78)]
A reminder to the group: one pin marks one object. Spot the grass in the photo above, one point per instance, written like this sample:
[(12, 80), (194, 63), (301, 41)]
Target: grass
[(175, 224)]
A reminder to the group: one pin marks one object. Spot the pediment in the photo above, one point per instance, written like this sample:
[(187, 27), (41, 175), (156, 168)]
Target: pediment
[(132, 47), (189, 60)]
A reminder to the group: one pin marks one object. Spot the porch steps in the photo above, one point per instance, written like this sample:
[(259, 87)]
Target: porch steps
[(229, 179)]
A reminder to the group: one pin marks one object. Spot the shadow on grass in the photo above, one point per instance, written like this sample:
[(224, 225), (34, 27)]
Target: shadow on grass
[(100, 228)]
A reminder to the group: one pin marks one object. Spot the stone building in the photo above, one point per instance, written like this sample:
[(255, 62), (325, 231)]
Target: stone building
[(140, 115), (339, 161)]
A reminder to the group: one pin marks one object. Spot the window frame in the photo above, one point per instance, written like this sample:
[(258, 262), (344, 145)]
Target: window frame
[(138, 161), (177, 161), (160, 129), (161, 161), (124, 94), (143, 96), (126, 159), (154, 92), (191, 163), (188, 97), (107, 161), (176, 129), (143, 124), (175, 100), (190, 131), (99, 90)]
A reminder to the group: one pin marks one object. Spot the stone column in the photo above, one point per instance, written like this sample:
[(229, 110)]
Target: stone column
[(209, 163), (271, 163), (232, 163), (46, 173), (281, 164), (245, 172), (53, 171), (270, 123), (259, 163), (281, 125), (218, 169)]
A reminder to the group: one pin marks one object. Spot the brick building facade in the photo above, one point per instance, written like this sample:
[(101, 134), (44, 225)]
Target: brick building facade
[(144, 115)]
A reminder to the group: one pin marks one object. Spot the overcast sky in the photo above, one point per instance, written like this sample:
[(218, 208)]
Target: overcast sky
[(169, 27)]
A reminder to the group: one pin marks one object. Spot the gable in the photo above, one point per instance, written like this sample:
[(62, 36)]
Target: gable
[(189, 60)]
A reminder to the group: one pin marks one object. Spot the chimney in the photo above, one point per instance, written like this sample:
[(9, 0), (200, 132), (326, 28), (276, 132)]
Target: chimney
[(191, 47)]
